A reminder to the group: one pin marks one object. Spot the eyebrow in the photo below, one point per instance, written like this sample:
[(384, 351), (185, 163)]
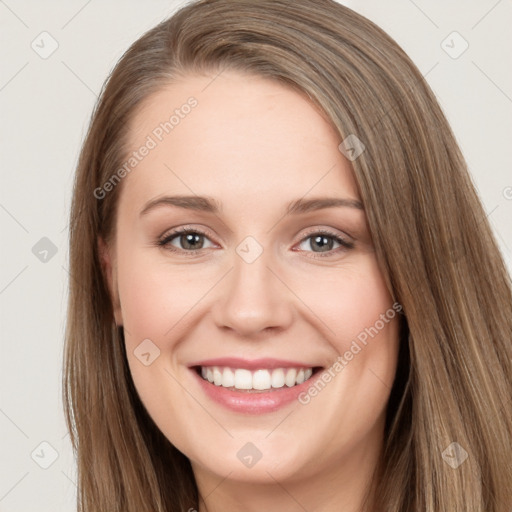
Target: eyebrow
[(210, 205)]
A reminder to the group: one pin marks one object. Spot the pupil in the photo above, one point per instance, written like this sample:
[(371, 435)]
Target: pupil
[(190, 240), (321, 242)]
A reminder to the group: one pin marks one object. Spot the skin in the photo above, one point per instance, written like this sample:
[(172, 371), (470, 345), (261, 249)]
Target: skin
[(254, 145)]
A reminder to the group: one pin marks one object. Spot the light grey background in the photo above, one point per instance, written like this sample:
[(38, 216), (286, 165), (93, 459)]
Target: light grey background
[(45, 108)]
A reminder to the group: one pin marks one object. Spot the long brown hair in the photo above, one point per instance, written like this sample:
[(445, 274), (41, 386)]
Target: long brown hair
[(431, 237)]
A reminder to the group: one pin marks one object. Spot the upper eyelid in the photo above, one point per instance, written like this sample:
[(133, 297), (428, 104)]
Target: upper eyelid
[(184, 229)]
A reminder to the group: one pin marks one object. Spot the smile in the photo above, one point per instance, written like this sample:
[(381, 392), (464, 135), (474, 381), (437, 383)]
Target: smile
[(242, 379)]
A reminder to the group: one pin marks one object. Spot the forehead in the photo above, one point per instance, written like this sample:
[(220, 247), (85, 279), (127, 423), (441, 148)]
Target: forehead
[(236, 137)]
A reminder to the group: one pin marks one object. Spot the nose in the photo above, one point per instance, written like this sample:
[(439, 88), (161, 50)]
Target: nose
[(254, 299)]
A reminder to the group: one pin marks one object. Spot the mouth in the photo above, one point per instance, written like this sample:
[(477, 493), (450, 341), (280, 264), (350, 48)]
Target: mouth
[(261, 380)]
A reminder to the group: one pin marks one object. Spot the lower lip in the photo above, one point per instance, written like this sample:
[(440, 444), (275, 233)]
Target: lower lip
[(253, 403)]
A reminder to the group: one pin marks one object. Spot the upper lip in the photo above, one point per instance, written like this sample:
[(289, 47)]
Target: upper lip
[(252, 364)]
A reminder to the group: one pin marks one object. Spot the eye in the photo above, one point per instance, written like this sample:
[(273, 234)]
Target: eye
[(324, 242), (188, 240)]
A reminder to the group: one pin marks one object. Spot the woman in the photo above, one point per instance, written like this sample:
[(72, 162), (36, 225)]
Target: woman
[(285, 293)]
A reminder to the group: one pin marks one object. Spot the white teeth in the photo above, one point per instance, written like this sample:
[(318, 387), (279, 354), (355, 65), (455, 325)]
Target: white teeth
[(228, 378), (217, 376), (278, 378), (290, 378), (243, 379), (262, 379)]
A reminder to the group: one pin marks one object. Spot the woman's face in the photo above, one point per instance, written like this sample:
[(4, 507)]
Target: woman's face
[(267, 284)]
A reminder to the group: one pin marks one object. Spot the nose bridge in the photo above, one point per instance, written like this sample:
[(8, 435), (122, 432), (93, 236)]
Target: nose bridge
[(253, 298)]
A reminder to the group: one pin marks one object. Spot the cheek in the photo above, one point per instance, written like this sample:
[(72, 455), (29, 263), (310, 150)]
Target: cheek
[(156, 295), (348, 301), (356, 314), (158, 303), (155, 298)]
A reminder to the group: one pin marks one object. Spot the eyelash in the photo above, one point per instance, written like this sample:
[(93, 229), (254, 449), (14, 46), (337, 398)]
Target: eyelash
[(166, 239)]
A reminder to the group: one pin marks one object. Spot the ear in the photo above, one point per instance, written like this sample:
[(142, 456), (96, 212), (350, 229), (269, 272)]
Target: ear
[(109, 270)]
